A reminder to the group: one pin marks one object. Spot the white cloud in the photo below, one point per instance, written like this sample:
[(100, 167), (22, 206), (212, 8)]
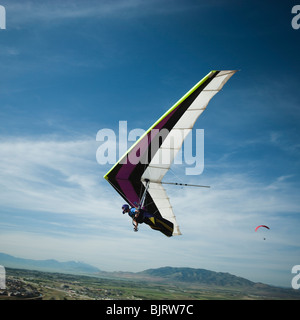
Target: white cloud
[(55, 176)]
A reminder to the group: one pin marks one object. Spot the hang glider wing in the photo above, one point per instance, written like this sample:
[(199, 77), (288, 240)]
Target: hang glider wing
[(151, 156)]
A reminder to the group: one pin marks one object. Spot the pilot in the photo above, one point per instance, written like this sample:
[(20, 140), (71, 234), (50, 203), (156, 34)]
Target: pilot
[(156, 223), (133, 213)]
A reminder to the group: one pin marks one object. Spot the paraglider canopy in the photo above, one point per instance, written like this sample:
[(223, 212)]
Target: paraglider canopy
[(261, 226)]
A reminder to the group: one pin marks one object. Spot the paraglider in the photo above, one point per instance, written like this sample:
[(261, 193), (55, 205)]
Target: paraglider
[(262, 226), (138, 175)]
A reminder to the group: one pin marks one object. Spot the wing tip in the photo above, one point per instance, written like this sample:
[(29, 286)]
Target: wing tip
[(176, 231)]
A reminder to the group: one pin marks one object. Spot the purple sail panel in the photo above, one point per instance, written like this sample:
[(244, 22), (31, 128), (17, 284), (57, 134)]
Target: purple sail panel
[(139, 150), (129, 192)]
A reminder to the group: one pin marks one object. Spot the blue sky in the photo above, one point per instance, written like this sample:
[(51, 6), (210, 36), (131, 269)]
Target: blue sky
[(70, 69)]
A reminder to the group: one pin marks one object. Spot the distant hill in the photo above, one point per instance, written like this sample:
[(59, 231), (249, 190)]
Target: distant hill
[(218, 280), (9, 261), (190, 276), (197, 276)]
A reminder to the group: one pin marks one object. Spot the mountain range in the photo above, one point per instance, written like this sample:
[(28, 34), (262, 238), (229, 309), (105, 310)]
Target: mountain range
[(51, 265)]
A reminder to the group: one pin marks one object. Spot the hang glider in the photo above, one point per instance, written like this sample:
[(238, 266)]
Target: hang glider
[(138, 175)]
